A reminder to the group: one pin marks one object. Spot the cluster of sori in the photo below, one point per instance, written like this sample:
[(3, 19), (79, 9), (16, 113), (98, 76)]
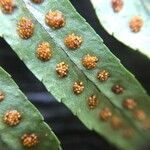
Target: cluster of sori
[(135, 23), (13, 118)]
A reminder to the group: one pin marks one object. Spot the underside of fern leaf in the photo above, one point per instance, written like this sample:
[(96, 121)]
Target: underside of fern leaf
[(126, 20), (22, 126), (79, 70)]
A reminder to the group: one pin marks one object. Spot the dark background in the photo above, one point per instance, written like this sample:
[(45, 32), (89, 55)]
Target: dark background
[(72, 134)]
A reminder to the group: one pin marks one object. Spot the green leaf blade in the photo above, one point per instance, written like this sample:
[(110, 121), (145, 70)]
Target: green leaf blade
[(31, 122), (117, 24), (94, 45)]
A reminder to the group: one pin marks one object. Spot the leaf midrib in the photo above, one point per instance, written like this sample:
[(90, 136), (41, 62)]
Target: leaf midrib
[(115, 106)]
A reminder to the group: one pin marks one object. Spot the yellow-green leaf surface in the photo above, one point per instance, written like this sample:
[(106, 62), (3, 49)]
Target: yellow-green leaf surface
[(117, 23), (61, 88), (31, 120)]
